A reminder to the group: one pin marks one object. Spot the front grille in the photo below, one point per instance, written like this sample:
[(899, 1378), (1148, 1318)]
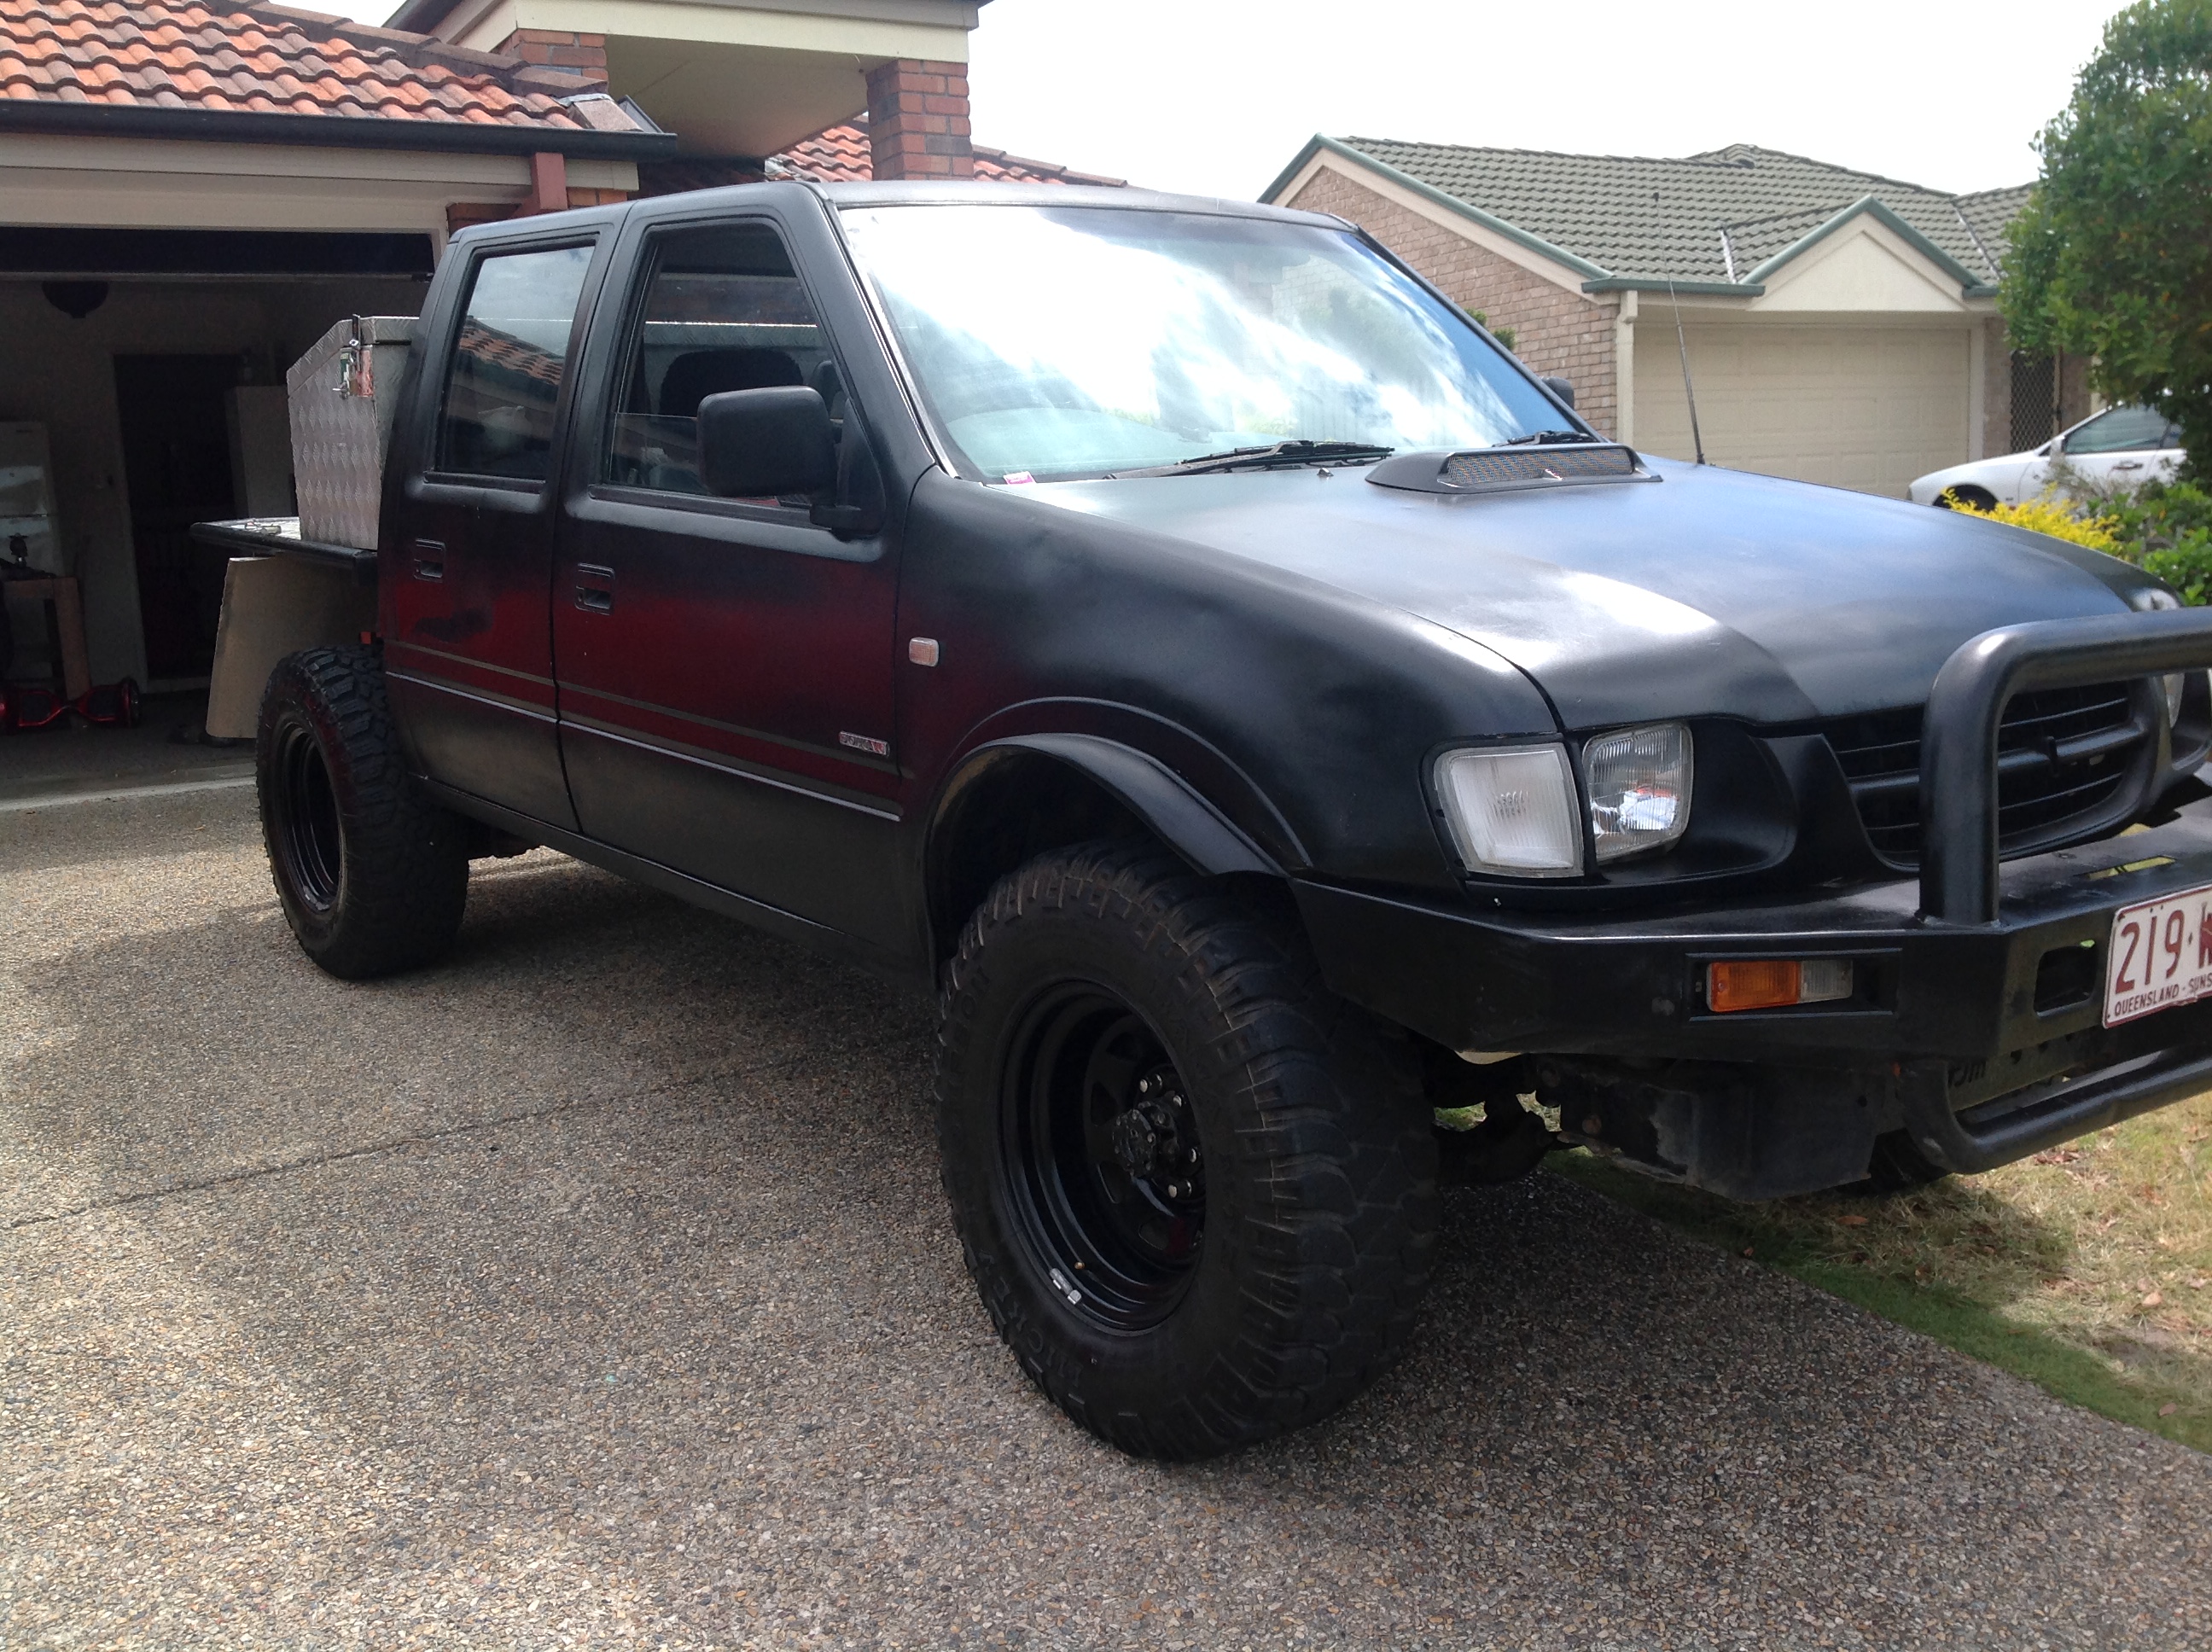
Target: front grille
[(1492, 467), (2064, 759)]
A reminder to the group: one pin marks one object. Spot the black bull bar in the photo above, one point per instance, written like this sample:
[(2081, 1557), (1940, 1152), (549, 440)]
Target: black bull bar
[(1959, 738), (1959, 872)]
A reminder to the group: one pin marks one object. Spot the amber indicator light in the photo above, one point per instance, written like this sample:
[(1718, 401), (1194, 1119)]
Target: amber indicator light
[(1776, 983), (1751, 984)]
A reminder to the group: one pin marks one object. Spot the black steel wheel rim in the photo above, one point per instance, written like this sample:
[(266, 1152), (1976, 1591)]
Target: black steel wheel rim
[(307, 833), (1102, 1157)]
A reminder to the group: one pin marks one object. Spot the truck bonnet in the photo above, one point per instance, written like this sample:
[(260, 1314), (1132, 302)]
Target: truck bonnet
[(1711, 592)]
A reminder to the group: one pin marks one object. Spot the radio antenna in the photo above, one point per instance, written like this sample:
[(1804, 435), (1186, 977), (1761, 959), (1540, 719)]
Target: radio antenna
[(1689, 390)]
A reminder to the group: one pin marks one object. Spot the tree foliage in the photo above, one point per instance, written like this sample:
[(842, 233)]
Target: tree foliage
[(2111, 257)]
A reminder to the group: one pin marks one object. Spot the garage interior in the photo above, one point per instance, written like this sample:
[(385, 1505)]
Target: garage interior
[(153, 363)]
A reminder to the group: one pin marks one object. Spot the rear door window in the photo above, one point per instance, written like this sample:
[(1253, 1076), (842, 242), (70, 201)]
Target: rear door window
[(723, 309), (503, 384)]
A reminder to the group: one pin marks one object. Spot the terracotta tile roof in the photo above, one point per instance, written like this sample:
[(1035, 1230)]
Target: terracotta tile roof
[(999, 166), (261, 59), (501, 358), (841, 155)]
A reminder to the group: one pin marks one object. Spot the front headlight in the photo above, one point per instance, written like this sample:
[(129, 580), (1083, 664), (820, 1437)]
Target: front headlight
[(1639, 786), (1511, 810), (2156, 599)]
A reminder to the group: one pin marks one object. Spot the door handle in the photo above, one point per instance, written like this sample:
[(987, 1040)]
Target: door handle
[(430, 560), (2128, 465), (595, 588)]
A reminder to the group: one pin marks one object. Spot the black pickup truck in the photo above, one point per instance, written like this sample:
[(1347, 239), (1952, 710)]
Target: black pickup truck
[(1265, 715)]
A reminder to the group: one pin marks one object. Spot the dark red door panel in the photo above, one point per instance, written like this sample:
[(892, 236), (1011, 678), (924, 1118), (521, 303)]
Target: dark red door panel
[(468, 645), (726, 699)]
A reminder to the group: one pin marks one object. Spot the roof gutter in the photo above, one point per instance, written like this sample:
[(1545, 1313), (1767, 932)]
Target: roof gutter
[(425, 15), (1664, 284), (330, 131)]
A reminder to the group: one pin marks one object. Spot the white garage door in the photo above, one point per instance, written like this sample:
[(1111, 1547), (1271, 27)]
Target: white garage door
[(1868, 408)]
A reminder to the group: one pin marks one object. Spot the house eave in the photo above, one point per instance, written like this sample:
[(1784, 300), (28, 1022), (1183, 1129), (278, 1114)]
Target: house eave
[(423, 16), (331, 131)]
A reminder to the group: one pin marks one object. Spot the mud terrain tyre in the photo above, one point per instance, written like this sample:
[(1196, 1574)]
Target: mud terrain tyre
[(1196, 1191), (372, 875)]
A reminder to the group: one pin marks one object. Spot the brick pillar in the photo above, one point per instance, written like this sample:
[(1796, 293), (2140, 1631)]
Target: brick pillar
[(549, 183), (582, 57), (918, 121)]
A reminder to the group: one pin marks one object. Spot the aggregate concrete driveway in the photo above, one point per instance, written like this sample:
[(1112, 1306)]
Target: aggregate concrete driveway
[(594, 1290)]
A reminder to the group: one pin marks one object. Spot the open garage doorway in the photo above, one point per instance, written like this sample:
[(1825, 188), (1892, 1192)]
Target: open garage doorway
[(177, 468), (153, 362)]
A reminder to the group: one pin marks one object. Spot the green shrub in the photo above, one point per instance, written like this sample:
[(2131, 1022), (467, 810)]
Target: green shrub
[(2112, 257), (2050, 514), (1505, 336), (2167, 530), (2187, 567), (2163, 528)]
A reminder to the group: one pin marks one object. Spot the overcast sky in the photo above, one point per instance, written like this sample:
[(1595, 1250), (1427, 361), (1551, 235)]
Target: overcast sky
[(1216, 96)]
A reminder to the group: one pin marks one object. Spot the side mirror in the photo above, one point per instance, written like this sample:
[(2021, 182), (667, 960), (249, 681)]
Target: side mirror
[(1562, 388), (762, 444)]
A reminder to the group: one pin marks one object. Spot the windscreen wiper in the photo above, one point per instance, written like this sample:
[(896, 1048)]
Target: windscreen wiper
[(1546, 438), (1267, 458)]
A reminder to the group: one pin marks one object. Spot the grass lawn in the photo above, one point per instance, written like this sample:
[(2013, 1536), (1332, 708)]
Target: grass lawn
[(2087, 1270)]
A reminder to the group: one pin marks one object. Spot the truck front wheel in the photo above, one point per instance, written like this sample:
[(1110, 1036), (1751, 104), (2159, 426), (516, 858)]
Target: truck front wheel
[(1196, 1191), (372, 874)]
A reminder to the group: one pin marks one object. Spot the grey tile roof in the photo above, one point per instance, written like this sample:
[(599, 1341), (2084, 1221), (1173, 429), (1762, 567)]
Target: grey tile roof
[(1712, 218)]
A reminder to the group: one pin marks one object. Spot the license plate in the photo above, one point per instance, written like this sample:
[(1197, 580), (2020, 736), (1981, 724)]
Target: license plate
[(2162, 956)]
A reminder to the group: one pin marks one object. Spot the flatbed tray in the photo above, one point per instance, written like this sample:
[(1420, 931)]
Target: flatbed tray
[(279, 536)]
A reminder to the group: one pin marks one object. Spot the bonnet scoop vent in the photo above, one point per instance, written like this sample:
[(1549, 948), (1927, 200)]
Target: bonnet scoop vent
[(1501, 469)]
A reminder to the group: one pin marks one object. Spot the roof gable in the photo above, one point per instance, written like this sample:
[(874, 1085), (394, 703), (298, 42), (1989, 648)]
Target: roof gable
[(1724, 219), (1861, 259)]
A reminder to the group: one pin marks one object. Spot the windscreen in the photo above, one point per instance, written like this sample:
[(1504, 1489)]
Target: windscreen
[(1051, 343)]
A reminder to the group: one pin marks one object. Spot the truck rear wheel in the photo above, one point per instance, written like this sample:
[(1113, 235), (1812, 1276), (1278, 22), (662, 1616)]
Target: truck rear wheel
[(372, 874), (1196, 1191)]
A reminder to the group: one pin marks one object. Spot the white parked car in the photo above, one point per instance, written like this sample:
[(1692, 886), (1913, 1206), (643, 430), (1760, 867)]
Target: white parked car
[(2122, 446)]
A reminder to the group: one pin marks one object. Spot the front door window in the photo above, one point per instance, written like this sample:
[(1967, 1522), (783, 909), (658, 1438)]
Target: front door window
[(724, 310)]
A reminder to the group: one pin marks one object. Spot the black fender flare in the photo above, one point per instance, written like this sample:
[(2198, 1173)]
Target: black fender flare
[(1170, 808)]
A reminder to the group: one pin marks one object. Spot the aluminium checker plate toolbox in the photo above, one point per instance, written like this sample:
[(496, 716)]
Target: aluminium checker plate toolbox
[(342, 395)]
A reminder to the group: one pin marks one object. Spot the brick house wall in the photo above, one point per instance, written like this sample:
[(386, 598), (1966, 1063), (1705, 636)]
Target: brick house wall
[(1556, 331), (1997, 389)]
